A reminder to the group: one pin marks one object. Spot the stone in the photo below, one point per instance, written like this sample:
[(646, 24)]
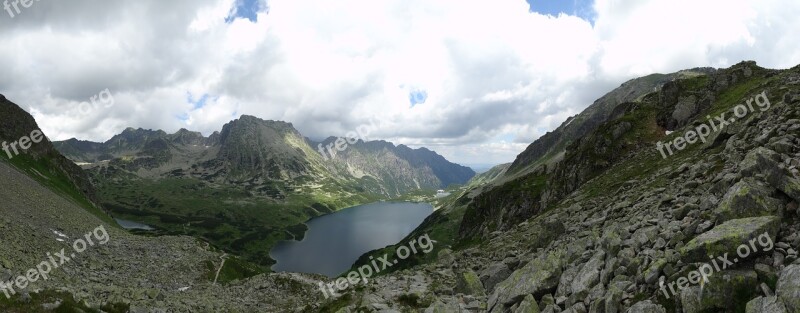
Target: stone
[(445, 256), (765, 305), (767, 163), (612, 300), (468, 283), (747, 198), (646, 306), (494, 274), (788, 287), (724, 292), (654, 271), (727, 237), (589, 275), (539, 277), (528, 305)]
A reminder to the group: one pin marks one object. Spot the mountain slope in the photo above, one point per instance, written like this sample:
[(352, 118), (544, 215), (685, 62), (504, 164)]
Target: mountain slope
[(615, 226), (42, 160), (553, 143), (44, 211), (250, 185)]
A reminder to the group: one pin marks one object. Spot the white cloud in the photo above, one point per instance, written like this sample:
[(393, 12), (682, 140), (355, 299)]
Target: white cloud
[(496, 75)]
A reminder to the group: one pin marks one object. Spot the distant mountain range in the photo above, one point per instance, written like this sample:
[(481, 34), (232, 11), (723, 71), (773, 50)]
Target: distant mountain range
[(260, 179)]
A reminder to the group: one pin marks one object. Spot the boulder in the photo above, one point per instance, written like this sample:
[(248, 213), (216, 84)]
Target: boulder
[(788, 287), (468, 283), (765, 305), (494, 274), (528, 305), (727, 291), (539, 277), (646, 306), (767, 162), (727, 237), (589, 275), (747, 198)]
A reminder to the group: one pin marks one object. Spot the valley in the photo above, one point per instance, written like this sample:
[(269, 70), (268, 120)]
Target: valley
[(507, 156), (251, 185), (594, 219)]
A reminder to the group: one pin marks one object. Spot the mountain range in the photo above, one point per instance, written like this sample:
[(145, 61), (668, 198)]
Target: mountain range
[(590, 218), (260, 179)]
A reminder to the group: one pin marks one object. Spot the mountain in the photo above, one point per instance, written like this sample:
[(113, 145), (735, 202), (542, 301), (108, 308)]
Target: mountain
[(48, 203), (553, 144), (398, 169), (489, 175), (630, 218), (627, 215), (251, 184), (41, 159)]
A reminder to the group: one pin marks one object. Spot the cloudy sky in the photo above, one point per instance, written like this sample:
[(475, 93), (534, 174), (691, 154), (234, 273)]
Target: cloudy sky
[(476, 81)]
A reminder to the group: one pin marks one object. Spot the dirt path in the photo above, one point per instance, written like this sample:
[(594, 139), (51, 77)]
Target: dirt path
[(223, 257)]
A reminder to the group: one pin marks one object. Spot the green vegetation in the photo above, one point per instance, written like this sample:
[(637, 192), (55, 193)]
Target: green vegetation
[(229, 217), (235, 269)]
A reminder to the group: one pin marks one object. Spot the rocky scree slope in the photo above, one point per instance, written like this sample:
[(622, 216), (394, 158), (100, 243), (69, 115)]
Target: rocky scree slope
[(605, 229), (43, 212), (42, 158), (130, 273)]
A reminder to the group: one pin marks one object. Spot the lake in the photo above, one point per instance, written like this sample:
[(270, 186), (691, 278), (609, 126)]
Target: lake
[(335, 241)]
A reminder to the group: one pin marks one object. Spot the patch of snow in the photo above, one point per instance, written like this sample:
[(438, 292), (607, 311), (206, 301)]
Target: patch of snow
[(60, 234)]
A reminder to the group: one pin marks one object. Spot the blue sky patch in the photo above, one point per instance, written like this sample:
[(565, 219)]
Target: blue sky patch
[(197, 103), (417, 97), (579, 8), (248, 9)]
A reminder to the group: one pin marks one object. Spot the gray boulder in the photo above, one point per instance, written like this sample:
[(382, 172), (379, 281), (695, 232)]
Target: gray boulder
[(494, 274), (747, 198), (765, 305), (727, 237), (788, 287), (646, 306), (537, 278), (588, 276), (767, 162), (468, 283), (528, 305), (726, 291)]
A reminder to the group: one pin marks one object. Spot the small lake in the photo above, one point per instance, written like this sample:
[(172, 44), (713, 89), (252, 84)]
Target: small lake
[(132, 225), (335, 241)]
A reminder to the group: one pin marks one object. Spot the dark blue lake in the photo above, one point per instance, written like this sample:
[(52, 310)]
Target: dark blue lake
[(333, 242)]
